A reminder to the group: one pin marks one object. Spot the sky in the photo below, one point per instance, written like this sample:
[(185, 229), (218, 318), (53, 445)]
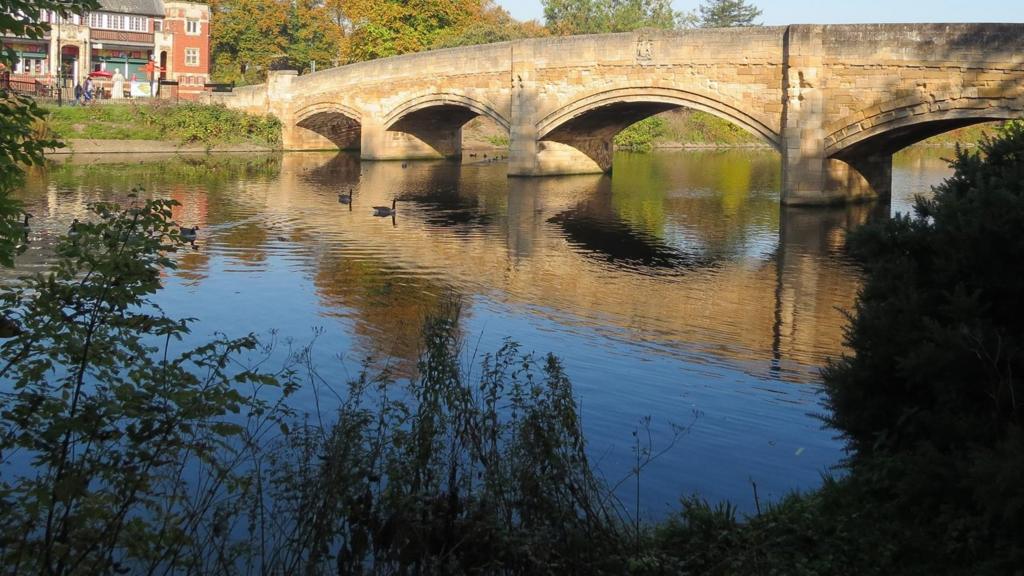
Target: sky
[(780, 12)]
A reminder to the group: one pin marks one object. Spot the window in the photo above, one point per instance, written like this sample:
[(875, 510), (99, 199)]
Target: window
[(191, 56), (137, 24), (192, 27), (30, 66), (115, 21), (158, 25), (95, 20)]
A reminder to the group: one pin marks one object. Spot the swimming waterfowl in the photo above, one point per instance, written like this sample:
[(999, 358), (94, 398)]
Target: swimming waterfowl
[(384, 210), (188, 234)]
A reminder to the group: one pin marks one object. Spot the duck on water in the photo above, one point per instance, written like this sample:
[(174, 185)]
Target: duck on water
[(188, 234), (384, 210)]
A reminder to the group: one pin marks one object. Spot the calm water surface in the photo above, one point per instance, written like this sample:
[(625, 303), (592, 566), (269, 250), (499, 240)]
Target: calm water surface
[(676, 288)]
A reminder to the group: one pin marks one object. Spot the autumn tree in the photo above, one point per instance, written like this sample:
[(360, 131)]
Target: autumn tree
[(382, 28), (313, 35), (564, 17), (246, 36), (495, 24), (727, 13)]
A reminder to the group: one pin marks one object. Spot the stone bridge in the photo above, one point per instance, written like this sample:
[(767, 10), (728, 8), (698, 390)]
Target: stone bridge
[(835, 101)]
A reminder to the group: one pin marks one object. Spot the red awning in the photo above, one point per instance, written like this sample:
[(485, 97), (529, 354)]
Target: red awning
[(100, 74)]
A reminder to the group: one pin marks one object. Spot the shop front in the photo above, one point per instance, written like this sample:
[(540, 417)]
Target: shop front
[(30, 58), (131, 61)]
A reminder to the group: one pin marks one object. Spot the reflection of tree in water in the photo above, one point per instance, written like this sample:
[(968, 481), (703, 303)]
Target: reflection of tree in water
[(604, 237), (444, 196), (211, 173), (388, 307), (193, 265), (720, 198), (447, 207), (245, 243)]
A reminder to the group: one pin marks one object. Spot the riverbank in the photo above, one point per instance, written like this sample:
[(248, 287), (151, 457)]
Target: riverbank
[(160, 147), (158, 127)]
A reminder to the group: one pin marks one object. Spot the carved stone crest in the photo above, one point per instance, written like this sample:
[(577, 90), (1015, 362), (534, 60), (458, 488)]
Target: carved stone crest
[(644, 50)]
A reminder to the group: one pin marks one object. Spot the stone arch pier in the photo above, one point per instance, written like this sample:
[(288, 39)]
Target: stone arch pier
[(835, 101)]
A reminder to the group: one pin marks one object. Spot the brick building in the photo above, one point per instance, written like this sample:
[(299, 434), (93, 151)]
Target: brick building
[(143, 39)]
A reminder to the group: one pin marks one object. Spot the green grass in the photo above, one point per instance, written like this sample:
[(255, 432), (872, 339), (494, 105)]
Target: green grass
[(694, 128), (183, 123), (499, 141)]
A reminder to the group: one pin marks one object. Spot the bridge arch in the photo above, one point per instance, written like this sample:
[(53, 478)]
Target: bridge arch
[(894, 125), (444, 100), (340, 124), (436, 120), (590, 123)]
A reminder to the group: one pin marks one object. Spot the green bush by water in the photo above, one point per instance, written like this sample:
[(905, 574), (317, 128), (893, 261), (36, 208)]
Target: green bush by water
[(184, 123), (640, 137)]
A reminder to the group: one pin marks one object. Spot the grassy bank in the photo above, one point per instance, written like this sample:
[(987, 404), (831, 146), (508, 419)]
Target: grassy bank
[(182, 123)]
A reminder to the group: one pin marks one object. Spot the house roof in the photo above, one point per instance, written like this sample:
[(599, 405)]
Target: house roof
[(143, 7)]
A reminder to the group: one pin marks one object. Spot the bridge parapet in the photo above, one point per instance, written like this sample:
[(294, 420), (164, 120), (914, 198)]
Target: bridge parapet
[(837, 101)]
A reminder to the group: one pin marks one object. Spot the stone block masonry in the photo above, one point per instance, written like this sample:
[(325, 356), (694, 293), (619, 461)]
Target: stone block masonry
[(836, 101)]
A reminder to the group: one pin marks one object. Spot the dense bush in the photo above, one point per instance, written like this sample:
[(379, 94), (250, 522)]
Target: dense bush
[(640, 136), (184, 123), (931, 399), (214, 124)]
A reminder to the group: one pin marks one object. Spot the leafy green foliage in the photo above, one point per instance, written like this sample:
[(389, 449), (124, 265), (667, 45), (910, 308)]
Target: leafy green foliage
[(312, 37), (938, 331), (693, 127), (185, 123), (727, 13), (931, 399), (494, 25), (106, 431), (13, 24), (640, 136), (453, 474), (246, 36), (565, 17), (499, 141)]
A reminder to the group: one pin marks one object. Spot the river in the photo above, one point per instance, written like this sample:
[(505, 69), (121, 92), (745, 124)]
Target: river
[(675, 289)]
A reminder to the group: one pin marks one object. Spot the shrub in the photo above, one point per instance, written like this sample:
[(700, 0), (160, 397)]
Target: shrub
[(640, 136), (931, 399), (186, 123), (115, 450)]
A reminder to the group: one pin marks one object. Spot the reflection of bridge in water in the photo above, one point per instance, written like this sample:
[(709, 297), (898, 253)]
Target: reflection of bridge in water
[(519, 242), (689, 255), (835, 101)]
